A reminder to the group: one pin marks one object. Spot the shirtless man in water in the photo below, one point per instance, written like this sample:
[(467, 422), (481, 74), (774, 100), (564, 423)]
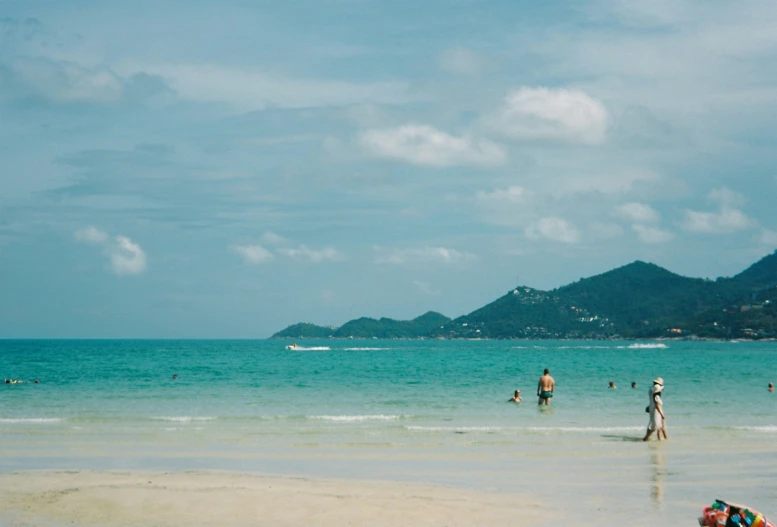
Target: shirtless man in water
[(545, 388)]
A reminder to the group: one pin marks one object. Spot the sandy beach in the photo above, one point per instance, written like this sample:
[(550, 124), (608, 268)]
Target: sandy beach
[(117, 499)]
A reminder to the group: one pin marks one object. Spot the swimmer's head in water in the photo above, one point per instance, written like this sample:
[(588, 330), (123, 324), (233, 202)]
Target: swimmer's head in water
[(517, 393), (633, 384), (612, 384)]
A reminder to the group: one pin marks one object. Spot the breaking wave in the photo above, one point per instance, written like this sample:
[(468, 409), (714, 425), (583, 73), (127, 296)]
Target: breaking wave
[(184, 418), (354, 418), (769, 429), (457, 428), (38, 420)]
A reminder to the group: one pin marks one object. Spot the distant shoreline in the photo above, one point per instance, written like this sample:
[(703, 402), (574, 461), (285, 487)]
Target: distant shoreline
[(619, 339), (638, 301)]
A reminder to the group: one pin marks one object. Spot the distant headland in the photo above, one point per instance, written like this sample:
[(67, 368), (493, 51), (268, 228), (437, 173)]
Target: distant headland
[(638, 300)]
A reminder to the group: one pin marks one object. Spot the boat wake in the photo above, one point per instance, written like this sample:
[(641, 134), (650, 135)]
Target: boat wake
[(295, 347), (646, 346)]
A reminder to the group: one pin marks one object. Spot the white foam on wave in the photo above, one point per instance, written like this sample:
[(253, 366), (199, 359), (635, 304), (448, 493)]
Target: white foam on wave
[(366, 349), (455, 428), (645, 346), (33, 420), (535, 429), (584, 429), (353, 418), (184, 418), (584, 347), (769, 429)]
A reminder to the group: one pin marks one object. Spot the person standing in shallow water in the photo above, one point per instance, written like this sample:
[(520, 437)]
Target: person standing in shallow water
[(657, 421), (545, 388)]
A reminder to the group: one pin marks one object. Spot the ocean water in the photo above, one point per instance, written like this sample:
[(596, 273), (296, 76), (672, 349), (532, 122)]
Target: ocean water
[(407, 410)]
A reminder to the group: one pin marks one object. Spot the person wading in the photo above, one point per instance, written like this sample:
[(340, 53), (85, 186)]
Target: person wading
[(657, 421), (545, 388)]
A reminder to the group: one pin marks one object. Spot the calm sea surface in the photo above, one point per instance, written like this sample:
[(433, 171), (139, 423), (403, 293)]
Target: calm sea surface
[(428, 410)]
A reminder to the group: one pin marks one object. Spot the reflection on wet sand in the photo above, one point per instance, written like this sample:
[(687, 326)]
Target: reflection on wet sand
[(658, 464)]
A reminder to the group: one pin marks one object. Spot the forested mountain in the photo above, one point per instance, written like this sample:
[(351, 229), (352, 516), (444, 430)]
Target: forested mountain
[(760, 275), (305, 330), (384, 328), (638, 300)]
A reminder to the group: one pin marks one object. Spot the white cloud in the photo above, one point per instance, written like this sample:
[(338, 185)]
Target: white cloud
[(726, 197), (552, 114), (426, 288), (512, 194), (127, 257), (615, 182), (638, 213), (257, 254), (727, 219), (427, 146), (462, 61), (605, 231), (250, 89), (313, 255), (425, 255), (67, 81), (91, 235), (253, 254), (555, 229), (246, 89), (273, 239), (769, 237), (652, 234)]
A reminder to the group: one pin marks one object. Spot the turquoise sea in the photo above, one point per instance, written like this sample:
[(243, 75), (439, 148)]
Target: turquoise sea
[(432, 411)]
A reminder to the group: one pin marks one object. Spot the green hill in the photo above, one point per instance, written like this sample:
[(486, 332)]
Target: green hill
[(760, 275), (638, 300), (384, 328), (642, 299), (522, 313), (387, 328), (304, 330)]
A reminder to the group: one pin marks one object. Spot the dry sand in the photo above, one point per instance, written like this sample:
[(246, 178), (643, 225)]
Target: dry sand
[(109, 499)]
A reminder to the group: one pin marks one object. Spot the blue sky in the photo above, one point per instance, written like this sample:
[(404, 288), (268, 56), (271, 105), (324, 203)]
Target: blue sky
[(224, 169)]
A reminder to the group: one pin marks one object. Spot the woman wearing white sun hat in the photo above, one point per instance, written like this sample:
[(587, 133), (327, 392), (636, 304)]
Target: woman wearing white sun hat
[(655, 408)]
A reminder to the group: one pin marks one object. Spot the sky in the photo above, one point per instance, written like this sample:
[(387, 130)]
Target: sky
[(224, 169)]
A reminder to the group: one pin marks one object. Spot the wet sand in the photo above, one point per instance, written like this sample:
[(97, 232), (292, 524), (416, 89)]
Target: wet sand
[(118, 499), (610, 478)]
